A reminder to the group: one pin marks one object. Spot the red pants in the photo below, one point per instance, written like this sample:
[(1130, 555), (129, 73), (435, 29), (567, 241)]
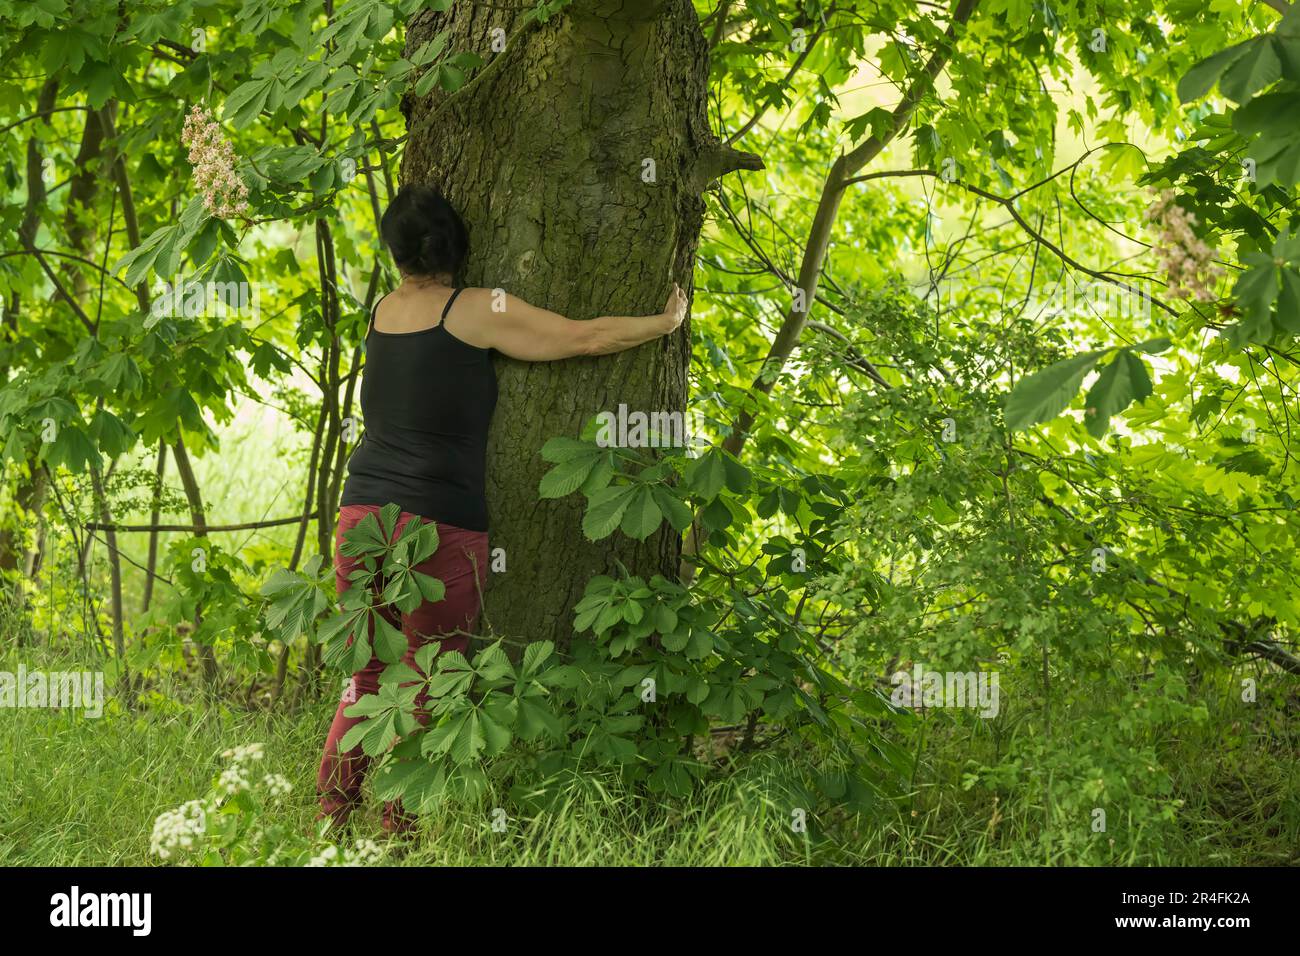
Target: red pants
[(461, 564)]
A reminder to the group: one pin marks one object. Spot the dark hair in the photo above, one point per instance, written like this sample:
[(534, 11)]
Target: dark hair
[(422, 231)]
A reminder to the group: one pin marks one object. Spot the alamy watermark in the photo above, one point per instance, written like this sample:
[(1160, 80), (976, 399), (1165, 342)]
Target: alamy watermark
[(951, 290), (1131, 300), (635, 428), (184, 298), (75, 908), (78, 690), (968, 689)]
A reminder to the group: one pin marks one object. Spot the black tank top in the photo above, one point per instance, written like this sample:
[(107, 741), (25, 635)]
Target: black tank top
[(427, 398)]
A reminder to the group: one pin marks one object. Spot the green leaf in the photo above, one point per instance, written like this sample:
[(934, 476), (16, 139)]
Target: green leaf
[(496, 718), (120, 373), (365, 538), (492, 663), (535, 719), (111, 433), (1288, 303), (738, 476), (535, 655), (1255, 292), (716, 516), (390, 643), (246, 101), (431, 589), (566, 477), (673, 508), (388, 516), (1123, 381), (706, 475), (665, 619), (430, 50), (450, 77), (1201, 78), (1045, 394), (1152, 346), (1258, 67), (469, 740), (154, 252), (72, 449), (642, 515), (605, 511)]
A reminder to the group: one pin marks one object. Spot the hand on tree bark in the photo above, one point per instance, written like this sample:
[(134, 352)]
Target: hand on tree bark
[(675, 308)]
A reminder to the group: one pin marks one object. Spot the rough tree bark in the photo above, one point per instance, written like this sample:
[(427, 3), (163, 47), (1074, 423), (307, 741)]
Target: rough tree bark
[(546, 153)]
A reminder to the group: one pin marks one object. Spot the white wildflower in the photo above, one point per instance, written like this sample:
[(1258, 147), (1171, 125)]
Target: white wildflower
[(364, 853), (178, 830), (245, 753), (276, 785), (233, 780), (325, 858)]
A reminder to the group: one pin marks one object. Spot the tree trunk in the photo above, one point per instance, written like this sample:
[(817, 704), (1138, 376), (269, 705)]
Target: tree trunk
[(115, 580), (155, 515), (546, 153), (194, 496), (29, 494)]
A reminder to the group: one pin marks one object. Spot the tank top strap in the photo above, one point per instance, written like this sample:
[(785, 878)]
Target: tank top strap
[(447, 308), (374, 310)]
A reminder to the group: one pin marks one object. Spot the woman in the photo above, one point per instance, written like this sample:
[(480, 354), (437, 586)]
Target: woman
[(427, 395)]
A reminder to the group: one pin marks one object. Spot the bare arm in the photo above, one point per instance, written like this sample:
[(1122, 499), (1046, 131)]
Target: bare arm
[(526, 332)]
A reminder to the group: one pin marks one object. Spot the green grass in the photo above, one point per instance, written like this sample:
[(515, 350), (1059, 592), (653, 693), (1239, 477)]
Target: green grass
[(78, 791), (85, 792)]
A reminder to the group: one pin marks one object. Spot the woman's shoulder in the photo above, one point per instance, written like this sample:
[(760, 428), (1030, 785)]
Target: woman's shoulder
[(478, 295), (489, 306), (469, 314)]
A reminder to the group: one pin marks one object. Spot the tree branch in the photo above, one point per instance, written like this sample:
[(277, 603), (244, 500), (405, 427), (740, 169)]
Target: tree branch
[(789, 76), (819, 236), (1009, 205), (198, 527)]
